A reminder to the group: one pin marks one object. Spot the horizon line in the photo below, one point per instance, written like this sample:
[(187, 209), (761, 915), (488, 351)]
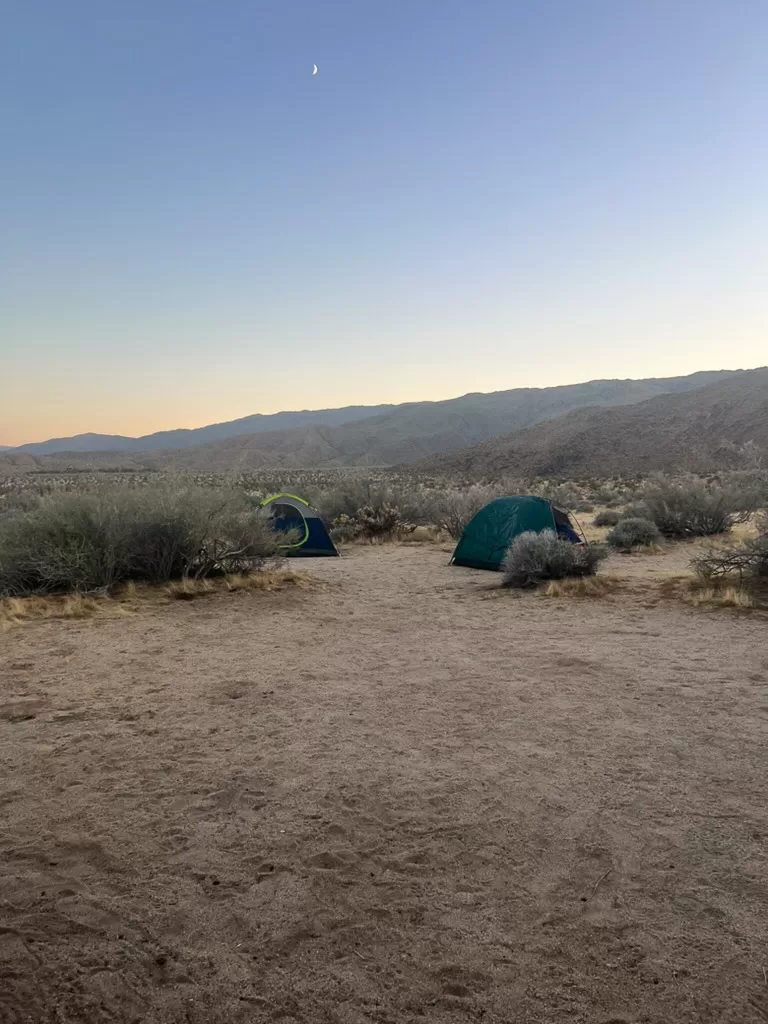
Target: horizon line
[(374, 405)]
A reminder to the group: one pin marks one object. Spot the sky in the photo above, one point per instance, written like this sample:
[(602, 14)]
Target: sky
[(468, 196)]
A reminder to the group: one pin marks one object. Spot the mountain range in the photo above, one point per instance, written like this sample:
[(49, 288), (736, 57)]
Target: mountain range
[(256, 424), (596, 427), (697, 430)]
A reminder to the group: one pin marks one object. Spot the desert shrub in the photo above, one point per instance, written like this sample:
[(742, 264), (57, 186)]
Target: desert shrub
[(583, 506), (91, 541), (633, 533), (567, 495), (370, 523), (635, 510), (21, 501), (452, 509), (747, 561), (380, 521), (609, 517), (344, 528), (693, 507), (347, 497), (535, 557)]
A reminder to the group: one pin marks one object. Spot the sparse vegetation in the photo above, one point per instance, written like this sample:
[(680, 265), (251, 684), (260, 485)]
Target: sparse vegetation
[(746, 562), (580, 586), (608, 517), (534, 558), (382, 522), (633, 533), (93, 541), (453, 508), (695, 507), (17, 610)]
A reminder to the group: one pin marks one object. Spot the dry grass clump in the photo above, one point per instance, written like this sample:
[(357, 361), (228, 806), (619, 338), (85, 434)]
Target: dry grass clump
[(129, 598), (15, 611), (189, 589), (424, 535), (717, 594), (582, 586), (263, 580), (268, 579), (722, 597)]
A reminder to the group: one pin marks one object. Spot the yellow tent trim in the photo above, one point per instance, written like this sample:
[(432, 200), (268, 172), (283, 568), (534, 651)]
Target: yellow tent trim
[(295, 497)]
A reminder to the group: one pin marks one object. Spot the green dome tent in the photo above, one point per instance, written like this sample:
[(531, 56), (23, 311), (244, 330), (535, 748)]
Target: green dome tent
[(487, 536)]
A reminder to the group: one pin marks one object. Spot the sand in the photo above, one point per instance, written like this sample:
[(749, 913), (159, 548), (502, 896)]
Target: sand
[(397, 796)]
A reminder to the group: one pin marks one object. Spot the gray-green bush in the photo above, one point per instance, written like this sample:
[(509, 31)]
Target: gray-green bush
[(693, 507), (452, 508), (609, 517), (92, 541), (633, 533), (536, 557)]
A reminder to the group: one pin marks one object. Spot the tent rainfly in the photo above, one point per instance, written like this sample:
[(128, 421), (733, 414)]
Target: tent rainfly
[(293, 514)]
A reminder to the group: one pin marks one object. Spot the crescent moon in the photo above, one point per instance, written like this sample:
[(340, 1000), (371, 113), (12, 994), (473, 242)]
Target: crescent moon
[(314, 69)]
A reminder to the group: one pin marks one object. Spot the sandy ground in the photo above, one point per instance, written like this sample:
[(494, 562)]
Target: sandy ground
[(401, 796)]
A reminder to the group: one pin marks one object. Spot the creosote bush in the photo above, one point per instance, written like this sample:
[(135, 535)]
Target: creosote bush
[(92, 541), (633, 533), (453, 508), (694, 507), (536, 557), (609, 517)]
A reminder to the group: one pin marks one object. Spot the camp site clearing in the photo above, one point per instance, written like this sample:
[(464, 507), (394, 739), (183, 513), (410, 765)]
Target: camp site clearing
[(399, 794)]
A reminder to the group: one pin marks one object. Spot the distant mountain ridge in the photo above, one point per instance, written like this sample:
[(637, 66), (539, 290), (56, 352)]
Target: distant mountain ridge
[(403, 434), (477, 416), (185, 438), (697, 430)]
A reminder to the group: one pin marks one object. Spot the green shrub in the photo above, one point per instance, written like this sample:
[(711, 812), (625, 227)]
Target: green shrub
[(536, 557), (609, 517), (452, 509), (370, 523), (349, 496), (567, 495), (635, 510), (693, 507), (86, 542), (633, 533)]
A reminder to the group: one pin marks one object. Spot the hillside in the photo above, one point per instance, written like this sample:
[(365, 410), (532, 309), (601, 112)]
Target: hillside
[(163, 439), (690, 431), (404, 433)]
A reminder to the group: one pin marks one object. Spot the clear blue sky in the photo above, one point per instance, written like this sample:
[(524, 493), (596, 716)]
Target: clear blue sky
[(469, 195)]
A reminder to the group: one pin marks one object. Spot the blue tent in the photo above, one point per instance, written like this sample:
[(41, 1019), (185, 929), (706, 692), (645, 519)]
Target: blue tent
[(290, 513)]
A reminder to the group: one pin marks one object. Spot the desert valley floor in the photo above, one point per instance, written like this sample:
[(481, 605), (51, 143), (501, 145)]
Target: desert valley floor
[(398, 795)]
